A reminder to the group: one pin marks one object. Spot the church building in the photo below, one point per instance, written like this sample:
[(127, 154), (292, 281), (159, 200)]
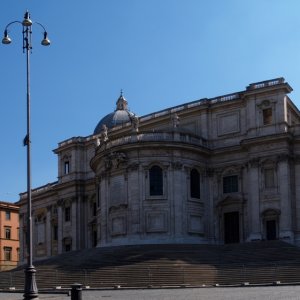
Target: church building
[(212, 171)]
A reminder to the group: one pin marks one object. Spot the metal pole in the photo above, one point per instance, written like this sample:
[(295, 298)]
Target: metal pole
[(30, 290)]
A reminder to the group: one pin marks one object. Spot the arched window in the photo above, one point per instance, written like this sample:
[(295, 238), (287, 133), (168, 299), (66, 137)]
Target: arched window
[(195, 184), (156, 181)]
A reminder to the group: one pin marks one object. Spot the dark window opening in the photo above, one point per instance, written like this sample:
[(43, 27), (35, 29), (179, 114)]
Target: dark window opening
[(230, 184), (271, 230), (231, 227), (7, 253), (8, 233), (94, 238), (156, 181), (195, 184), (7, 215), (67, 167), (67, 214), (55, 233), (267, 116)]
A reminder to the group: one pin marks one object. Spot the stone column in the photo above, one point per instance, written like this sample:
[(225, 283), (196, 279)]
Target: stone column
[(254, 201), (75, 223), (134, 200), (209, 205), (285, 224), (179, 201), (59, 227), (98, 218), (48, 239), (82, 209), (297, 200), (104, 212)]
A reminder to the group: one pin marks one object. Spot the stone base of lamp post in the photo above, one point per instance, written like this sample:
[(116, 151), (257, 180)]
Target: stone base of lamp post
[(30, 291)]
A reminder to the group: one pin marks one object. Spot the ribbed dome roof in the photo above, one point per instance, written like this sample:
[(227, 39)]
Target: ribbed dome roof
[(120, 116)]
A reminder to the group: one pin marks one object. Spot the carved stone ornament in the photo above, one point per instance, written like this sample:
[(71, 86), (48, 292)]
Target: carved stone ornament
[(103, 135), (97, 142), (175, 120), (177, 165), (264, 104), (254, 162), (114, 160), (60, 202), (135, 123), (115, 208)]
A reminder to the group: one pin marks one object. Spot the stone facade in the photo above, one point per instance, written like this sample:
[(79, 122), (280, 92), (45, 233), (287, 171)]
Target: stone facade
[(220, 170)]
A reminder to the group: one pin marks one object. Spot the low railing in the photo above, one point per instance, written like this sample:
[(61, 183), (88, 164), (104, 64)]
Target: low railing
[(266, 83), (155, 137), (158, 276)]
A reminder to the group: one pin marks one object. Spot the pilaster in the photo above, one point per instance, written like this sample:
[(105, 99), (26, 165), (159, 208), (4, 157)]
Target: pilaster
[(285, 226), (254, 201)]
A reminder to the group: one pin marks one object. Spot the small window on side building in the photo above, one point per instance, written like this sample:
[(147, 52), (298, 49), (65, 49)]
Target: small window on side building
[(7, 215), (7, 233), (7, 253)]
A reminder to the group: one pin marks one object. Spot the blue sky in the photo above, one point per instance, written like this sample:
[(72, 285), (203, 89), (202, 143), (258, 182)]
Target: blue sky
[(160, 52)]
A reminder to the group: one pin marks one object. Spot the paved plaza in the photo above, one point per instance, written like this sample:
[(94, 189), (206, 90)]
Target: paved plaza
[(240, 293)]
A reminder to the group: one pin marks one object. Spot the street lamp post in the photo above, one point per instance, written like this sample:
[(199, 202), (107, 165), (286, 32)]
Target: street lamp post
[(30, 287)]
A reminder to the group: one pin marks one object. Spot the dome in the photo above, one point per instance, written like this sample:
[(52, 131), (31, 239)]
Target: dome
[(120, 116)]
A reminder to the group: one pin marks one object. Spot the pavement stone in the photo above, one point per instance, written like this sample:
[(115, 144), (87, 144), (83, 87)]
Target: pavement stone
[(216, 293)]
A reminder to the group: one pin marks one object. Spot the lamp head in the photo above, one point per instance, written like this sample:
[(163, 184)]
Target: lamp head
[(27, 22), (45, 41), (6, 39)]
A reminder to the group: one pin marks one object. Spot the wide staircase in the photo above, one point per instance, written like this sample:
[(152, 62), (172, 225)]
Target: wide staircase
[(270, 262)]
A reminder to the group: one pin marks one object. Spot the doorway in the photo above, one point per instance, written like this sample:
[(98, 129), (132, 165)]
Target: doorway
[(271, 230), (231, 227)]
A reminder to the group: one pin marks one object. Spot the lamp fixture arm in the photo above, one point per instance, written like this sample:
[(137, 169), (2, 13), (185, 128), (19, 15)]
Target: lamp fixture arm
[(11, 24)]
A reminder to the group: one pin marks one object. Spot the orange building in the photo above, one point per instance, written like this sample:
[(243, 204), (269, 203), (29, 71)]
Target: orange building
[(9, 235)]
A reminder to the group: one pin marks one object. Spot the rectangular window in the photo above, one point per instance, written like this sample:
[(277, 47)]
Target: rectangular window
[(67, 167), (269, 178), (7, 215), (67, 214), (156, 181), (7, 233), (267, 116), (195, 184), (55, 233), (7, 253), (230, 184)]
